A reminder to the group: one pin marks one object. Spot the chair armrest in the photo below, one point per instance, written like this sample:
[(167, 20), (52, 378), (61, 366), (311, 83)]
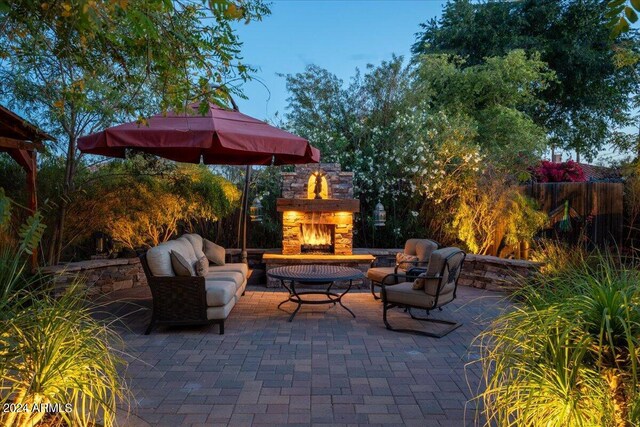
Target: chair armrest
[(416, 271), (407, 277), (179, 298)]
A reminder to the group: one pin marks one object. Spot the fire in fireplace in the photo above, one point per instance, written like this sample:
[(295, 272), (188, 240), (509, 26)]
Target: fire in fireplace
[(317, 238)]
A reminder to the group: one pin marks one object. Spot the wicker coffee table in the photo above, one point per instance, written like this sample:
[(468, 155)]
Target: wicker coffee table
[(311, 274)]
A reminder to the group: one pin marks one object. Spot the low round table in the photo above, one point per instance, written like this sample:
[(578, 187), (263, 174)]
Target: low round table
[(311, 274)]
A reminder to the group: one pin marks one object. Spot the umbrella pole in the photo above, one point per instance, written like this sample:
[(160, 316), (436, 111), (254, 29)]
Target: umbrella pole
[(245, 203)]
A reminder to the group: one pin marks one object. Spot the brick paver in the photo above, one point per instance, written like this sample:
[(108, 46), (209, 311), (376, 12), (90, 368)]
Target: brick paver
[(324, 368)]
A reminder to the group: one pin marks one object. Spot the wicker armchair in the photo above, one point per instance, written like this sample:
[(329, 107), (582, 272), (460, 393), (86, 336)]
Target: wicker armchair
[(420, 248), (177, 300), (439, 284)]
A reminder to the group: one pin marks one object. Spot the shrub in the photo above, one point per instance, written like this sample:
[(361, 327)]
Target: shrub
[(51, 350), (569, 171), (567, 354), (142, 202)]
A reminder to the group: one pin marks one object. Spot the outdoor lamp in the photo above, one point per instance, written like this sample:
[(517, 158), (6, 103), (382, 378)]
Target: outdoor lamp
[(379, 215), (255, 211)]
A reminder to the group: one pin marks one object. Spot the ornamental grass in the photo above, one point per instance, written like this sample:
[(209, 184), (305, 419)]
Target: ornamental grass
[(568, 353), (57, 363)]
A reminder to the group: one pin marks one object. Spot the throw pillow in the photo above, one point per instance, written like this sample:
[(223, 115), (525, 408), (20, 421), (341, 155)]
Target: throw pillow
[(180, 265), (405, 261), (202, 266), (214, 253), (420, 282)]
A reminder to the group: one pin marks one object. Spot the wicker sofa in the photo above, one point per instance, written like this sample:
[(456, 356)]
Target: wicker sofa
[(179, 300)]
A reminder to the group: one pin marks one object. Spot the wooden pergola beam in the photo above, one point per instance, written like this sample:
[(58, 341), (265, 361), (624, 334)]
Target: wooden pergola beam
[(18, 144), (23, 158)]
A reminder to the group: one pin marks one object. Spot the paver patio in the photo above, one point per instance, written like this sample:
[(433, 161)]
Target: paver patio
[(324, 368)]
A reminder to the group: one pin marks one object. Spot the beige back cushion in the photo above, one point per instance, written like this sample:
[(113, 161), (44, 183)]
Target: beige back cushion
[(186, 250), (159, 258), (422, 248), (436, 264), (196, 242)]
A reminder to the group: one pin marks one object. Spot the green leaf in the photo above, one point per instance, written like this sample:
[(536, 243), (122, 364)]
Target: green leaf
[(636, 5), (632, 16), (616, 3), (621, 27), (31, 232), (614, 12)]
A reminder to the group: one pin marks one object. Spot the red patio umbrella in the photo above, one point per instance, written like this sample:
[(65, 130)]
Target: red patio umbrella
[(220, 137)]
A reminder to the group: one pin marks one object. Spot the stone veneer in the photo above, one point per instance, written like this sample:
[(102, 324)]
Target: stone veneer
[(495, 274), (295, 185), (101, 276)]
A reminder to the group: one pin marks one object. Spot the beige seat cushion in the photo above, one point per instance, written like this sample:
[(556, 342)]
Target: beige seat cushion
[(403, 293), (378, 274), (220, 312), (219, 292), (229, 276), (239, 267)]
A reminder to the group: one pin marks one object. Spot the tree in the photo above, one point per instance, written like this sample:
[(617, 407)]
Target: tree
[(420, 138), (79, 65), (589, 99), (496, 96), (622, 13), (358, 125)]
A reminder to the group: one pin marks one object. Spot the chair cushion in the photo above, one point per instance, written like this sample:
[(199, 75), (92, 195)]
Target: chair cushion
[(378, 275), (196, 242), (220, 312), (219, 292), (159, 258), (419, 282), (239, 267), (215, 253), (185, 249), (181, 266), (226, 276), (405, 261), (403, 293), (422, 248), (436, 267), (202, 266)]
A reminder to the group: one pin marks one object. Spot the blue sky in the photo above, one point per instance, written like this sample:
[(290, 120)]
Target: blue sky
[(338, 35)]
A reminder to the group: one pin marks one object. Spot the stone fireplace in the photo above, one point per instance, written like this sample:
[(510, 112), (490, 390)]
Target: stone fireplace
[(317, 208)]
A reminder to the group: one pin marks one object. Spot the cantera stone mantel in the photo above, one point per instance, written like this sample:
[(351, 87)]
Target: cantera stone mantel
[(318, 205)]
